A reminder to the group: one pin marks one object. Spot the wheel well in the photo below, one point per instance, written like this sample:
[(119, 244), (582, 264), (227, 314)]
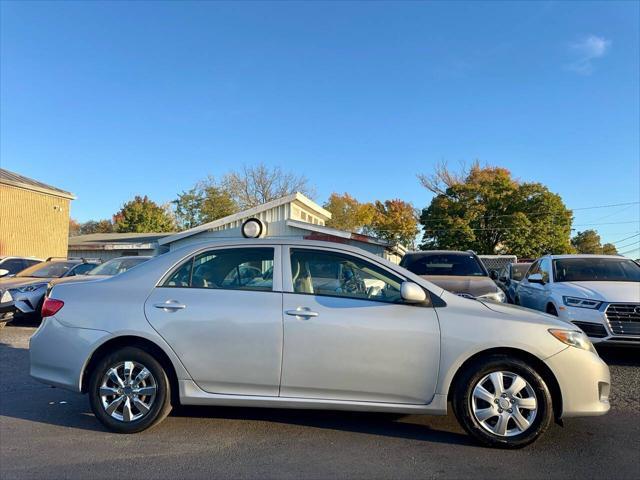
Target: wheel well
[(537, 364), (138, 342), (550, 306)]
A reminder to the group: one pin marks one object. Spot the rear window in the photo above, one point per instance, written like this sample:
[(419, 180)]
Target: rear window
[(456, 264), (47, 270)]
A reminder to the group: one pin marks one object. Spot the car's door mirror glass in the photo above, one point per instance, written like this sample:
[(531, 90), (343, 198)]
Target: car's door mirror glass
[(535, 278), (412, 293)]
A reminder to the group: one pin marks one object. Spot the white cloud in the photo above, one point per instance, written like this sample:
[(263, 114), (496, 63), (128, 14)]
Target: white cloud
[(586, 51)]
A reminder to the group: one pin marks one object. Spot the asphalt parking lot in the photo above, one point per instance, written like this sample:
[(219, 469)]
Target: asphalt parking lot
[(51, 433)]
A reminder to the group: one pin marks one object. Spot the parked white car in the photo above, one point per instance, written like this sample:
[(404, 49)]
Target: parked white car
[(315, 325), (598, 293)]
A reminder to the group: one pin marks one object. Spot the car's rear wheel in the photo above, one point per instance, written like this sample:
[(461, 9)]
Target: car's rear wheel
[(502, 402), (129, 391)]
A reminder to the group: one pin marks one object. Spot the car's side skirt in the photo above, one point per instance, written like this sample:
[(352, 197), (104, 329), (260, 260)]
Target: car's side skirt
[(191, 394)]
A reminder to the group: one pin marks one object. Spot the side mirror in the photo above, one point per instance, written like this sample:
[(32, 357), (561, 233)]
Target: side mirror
[(3, 272), (536, 278), (412, 292), (493, 274)]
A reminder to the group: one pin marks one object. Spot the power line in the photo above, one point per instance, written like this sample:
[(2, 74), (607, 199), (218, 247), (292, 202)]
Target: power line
[(627, 238), (629, 244), (629, 251), (606, 206), (552, 214)]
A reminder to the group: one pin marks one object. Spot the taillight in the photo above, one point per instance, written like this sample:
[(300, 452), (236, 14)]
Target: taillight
[(51, 306)]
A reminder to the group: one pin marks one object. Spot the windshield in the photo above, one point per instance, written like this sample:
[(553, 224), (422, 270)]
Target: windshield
[(596, 270), (456, 264), (47, 270), (518, 270), (117, 265)]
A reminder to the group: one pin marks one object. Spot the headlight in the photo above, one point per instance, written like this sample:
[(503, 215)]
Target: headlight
[(31, 288), (581, 302), (573, 339), (498, 296)]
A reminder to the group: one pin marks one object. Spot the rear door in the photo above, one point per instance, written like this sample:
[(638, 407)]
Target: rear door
[(221, 312), (347, 334)]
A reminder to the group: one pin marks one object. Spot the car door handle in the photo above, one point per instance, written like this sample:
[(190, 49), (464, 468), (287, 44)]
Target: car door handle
[(301, 312), (170, 305)]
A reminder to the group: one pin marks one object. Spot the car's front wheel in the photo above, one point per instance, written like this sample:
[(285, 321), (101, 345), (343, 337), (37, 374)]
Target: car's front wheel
[(129, 391), (502, 402)]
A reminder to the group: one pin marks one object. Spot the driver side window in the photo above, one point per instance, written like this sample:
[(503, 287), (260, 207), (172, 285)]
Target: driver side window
[(316, 272), (535, 268)]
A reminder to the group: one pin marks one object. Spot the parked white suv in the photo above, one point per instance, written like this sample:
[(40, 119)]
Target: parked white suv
[(598, 293)]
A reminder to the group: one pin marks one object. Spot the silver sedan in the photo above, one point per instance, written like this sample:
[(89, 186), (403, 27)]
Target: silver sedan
[(301, 324)]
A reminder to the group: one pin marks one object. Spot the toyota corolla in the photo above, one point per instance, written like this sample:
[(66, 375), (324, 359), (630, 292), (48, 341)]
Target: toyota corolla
[(302, 324)]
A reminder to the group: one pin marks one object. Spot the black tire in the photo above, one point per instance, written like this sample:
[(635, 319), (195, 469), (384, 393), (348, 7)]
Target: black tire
[(551, 310), (161, 405), (462, 401)]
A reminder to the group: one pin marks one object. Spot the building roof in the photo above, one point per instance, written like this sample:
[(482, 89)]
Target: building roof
[(115, 241), (251, 212), (333, 232), (17, 180)]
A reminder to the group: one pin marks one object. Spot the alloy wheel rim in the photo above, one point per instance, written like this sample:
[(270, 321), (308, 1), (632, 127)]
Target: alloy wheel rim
[(504, 403), (127, 391)]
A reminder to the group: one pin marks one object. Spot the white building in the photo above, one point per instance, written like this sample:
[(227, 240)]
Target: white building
[(106, 246), (293, 216)]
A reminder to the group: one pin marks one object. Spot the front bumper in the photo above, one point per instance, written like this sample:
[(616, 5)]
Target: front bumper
[(584, 382), (28, 302), (596, 325), (58, 354)]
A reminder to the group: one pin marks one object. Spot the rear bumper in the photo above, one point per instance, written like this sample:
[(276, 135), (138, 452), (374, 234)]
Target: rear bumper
[(584, 382), (58, 354)]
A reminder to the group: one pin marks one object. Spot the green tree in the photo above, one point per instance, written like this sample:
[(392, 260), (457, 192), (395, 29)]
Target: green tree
[(484, 209), (188, 208), (395, 221), (589, 242), (348, 214), (143, 215), (216, 201), (205, 202), (93, 226)]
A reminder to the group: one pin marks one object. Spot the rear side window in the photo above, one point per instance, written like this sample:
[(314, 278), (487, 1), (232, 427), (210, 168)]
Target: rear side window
[(232, 269)]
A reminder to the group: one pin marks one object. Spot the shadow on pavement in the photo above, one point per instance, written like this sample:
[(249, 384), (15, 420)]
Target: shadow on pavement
[(625, 356), (27, 399), (382, 424)]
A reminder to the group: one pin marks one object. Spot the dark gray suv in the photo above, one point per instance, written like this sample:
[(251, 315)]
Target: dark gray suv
[(462, 273)]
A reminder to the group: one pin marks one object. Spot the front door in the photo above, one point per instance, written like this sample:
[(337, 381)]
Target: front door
[(221, 312), (347, 334)]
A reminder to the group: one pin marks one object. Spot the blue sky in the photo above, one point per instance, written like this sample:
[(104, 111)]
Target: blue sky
[(109, 100)]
